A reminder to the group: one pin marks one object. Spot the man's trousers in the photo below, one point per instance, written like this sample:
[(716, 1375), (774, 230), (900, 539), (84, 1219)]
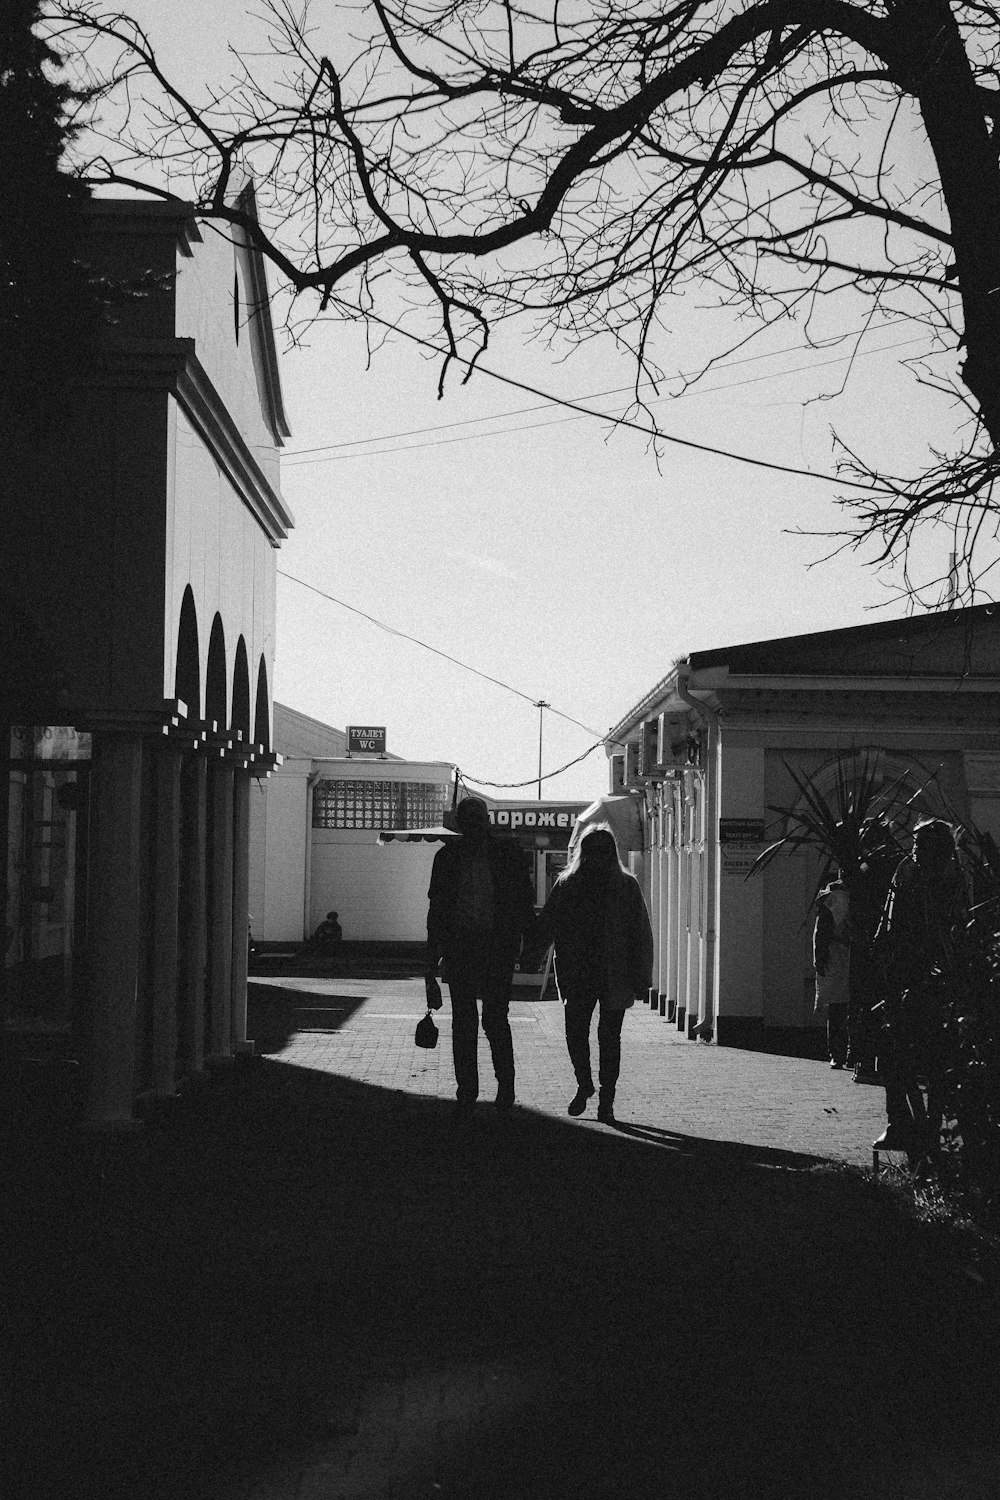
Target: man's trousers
[(474, 970)]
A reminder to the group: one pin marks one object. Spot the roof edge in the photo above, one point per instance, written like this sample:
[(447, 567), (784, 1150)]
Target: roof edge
[(877, 630)]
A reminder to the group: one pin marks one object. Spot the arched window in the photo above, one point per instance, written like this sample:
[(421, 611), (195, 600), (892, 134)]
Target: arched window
[(187, 674), (216, 677), (240, 720), (262, 711), (902, 787)]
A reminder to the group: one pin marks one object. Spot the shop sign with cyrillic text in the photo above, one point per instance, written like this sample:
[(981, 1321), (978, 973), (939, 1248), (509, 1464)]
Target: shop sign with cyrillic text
[(362, 740)]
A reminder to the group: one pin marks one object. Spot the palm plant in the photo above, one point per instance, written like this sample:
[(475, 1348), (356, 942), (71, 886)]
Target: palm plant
[(861, 830), (970, 975), (861, 824)]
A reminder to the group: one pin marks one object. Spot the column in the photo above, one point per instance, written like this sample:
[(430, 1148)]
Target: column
[(661, 916), (220, 935), (193, 943), (654, 825), (695, 996), (673, 883), (740, 1003), (683, 903), (696, 993), (241, 908), (114, 938), (166, 887)]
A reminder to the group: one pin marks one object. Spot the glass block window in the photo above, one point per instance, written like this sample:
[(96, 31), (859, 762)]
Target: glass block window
[(379, 804)]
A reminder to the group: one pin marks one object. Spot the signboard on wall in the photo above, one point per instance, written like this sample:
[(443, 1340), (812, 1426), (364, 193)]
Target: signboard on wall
[(365, 740), (538, 824), (740, 840)]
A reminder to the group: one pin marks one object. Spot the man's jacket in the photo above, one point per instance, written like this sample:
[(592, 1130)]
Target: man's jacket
[(513, 901)]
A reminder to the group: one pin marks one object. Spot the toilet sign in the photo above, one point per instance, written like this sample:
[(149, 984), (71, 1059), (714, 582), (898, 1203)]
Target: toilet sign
[(364, 740)]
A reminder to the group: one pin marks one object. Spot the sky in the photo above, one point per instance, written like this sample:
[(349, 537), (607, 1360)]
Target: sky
[(545, 549)]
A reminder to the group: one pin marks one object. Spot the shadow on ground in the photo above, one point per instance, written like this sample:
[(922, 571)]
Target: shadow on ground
[(371, 960), (295, 1276), (275, 1012)]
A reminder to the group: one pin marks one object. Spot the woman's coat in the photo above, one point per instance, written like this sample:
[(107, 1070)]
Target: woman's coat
[(628, 942)]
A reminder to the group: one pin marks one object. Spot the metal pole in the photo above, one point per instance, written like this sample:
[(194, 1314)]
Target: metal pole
[(541, 705)]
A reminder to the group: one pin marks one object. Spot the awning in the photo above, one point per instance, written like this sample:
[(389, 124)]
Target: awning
[(622, 813), (435, 835)]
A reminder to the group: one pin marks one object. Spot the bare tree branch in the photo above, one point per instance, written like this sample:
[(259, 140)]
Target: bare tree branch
[(585, 165)]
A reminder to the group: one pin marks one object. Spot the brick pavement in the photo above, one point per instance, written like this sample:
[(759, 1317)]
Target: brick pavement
[(364, 1031)]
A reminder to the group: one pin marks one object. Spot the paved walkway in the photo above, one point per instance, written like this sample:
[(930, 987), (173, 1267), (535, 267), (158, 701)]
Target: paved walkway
[(308, 1282), (669, 1086)]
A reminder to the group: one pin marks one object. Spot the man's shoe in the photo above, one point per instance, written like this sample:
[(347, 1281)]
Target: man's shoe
[(834, 1063), (505, 1098), (606, 1114), (578, 1103), (894, 1138), (463, 1110)]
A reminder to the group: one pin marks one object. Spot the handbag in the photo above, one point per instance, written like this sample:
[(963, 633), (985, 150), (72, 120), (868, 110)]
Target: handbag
[(426, 1034)]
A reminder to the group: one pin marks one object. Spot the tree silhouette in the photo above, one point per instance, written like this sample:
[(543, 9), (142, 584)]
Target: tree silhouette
[(583, 161), (46, 311)]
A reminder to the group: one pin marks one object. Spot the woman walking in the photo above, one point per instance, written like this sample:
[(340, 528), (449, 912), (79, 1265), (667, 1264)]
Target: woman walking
[(597, 918)]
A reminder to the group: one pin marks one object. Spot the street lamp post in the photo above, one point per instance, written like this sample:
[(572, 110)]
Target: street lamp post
[(541, 705)]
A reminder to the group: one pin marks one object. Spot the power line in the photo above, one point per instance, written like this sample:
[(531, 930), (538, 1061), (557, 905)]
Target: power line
[(391, 630), (617, 390), (333, 452), (651, 432), (463, 776)]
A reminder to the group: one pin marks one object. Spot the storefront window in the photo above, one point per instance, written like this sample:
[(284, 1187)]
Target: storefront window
[(379, 804), (48, 742), (47, 801)]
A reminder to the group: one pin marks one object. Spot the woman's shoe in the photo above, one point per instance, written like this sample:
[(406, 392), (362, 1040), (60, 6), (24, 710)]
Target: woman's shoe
[(578, 1103)]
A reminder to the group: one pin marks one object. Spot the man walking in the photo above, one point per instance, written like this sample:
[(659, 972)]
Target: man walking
[(480, 909)]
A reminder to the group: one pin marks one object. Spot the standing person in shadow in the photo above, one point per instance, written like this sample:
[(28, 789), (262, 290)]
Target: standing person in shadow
[(832, 962), (480, 908), (597, 918), (927, 905)]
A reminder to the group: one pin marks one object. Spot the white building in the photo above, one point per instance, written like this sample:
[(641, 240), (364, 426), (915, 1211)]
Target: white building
[(314, 839), (137, 619), (708, 754)]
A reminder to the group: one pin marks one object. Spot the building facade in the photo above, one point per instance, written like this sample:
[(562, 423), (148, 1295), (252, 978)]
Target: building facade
[(138, 610), (315, 837), (708, 755)]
